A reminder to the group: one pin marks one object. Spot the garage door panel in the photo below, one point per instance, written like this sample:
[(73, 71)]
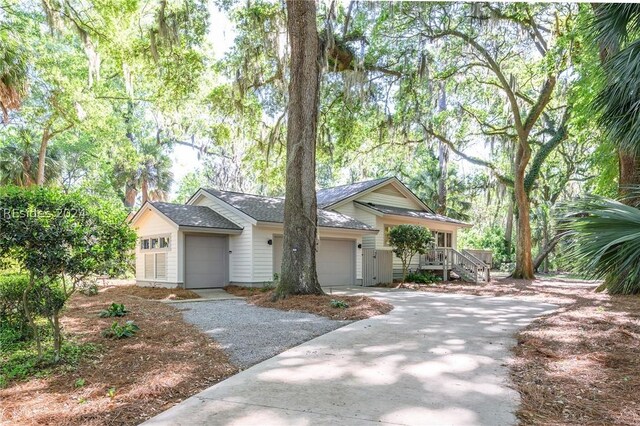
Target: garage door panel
[(335, 261), (205, 261)]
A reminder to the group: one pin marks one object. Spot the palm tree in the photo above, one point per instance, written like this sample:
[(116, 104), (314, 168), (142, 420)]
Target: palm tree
[(616, 29), (149, 176), (13, 73), (604, 236), (19, 162)]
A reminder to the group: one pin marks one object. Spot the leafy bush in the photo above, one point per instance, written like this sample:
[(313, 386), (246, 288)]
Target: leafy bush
[(422, 278), (407, 241), (340, 304), (59, 239), (488, 239), (115, 310), (118, 331), (43, 300)]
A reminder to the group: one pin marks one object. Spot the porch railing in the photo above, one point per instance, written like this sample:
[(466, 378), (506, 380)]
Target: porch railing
[(467, 266)]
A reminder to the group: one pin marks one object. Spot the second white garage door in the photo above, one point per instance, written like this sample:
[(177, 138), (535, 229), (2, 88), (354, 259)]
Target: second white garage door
[(335, 261)]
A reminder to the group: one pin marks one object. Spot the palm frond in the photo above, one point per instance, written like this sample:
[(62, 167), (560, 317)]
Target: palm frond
[(604, 241)]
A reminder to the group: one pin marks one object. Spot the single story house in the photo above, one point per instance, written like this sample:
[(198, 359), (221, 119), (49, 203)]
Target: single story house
[(222, 237)]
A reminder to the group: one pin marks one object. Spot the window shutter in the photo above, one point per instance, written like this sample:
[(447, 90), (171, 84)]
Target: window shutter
[(148, 265), (161, 266)]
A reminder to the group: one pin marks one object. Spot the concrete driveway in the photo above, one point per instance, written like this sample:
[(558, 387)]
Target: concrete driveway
[(434, 360)]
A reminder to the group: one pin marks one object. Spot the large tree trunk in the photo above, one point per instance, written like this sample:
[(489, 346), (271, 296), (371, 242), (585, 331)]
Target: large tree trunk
[(524, 264), (299, 275), (628, 176)]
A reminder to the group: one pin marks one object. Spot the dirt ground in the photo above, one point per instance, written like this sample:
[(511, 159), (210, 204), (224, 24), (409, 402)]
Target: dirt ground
[(166, 362), (578, 365), (360, 307)]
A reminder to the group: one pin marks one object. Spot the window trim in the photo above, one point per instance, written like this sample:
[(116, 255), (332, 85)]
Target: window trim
[(159, 238)]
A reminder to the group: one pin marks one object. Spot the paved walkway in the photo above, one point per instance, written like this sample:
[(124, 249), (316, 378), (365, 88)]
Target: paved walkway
[(434, 360)]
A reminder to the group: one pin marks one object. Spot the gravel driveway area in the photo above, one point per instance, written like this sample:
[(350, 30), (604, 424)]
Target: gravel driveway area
[(251, 334)]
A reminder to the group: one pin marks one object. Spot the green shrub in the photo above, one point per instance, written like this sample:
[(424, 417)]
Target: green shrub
[(43, 301), (115, 310), (340, 304), (422, 278), (118, 331), (21, 361)]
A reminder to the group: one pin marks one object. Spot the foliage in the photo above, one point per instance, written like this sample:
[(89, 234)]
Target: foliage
[(59, 239), (617, 29), (123, 331), (604, 238), (20, 361), (407, 241), (43, 300), (423, 277), (114, 310), (338, 304), (488, 239)]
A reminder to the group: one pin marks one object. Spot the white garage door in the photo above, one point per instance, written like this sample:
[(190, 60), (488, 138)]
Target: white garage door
[(206, 262), (335, 261)]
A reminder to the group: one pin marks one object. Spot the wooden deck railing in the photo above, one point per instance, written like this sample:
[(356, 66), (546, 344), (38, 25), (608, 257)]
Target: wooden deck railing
[(467, 266)]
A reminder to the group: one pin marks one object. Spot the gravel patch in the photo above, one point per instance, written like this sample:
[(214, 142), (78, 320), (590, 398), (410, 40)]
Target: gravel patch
[(250, 334)]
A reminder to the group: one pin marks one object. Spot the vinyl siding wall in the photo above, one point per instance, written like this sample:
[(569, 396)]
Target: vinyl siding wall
[(389, 196), (350, 209), (263, 253), (152, 224), (240, 246)]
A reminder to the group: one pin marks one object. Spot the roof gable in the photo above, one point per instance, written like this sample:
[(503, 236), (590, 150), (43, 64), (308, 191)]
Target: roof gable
[(270, 209), (194, 216), (332, 197)]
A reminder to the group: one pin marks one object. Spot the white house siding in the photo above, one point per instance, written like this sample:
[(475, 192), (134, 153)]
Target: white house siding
[(152, 224), (350, 209), (389, 196), (263, 253), (240, 246)]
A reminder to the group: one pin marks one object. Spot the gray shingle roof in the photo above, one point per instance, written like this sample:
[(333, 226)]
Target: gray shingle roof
[(268, 209), (330, 196), (411, 213), (197, 216)]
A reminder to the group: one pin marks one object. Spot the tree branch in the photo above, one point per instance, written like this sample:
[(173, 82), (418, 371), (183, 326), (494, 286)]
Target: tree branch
[(474, 160)]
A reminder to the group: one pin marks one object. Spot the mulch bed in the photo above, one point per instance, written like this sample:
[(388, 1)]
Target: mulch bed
[(164, 363), (360, 307), (151, 293), (578, 365)]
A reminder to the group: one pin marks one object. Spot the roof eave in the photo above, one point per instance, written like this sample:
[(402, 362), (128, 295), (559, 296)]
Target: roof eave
[(150, 206), (209, 230), (341, 228)]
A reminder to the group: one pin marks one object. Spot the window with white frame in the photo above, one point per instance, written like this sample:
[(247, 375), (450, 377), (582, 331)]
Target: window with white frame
[(387, 229), (442, 239), (156, 242), (155, 266)]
